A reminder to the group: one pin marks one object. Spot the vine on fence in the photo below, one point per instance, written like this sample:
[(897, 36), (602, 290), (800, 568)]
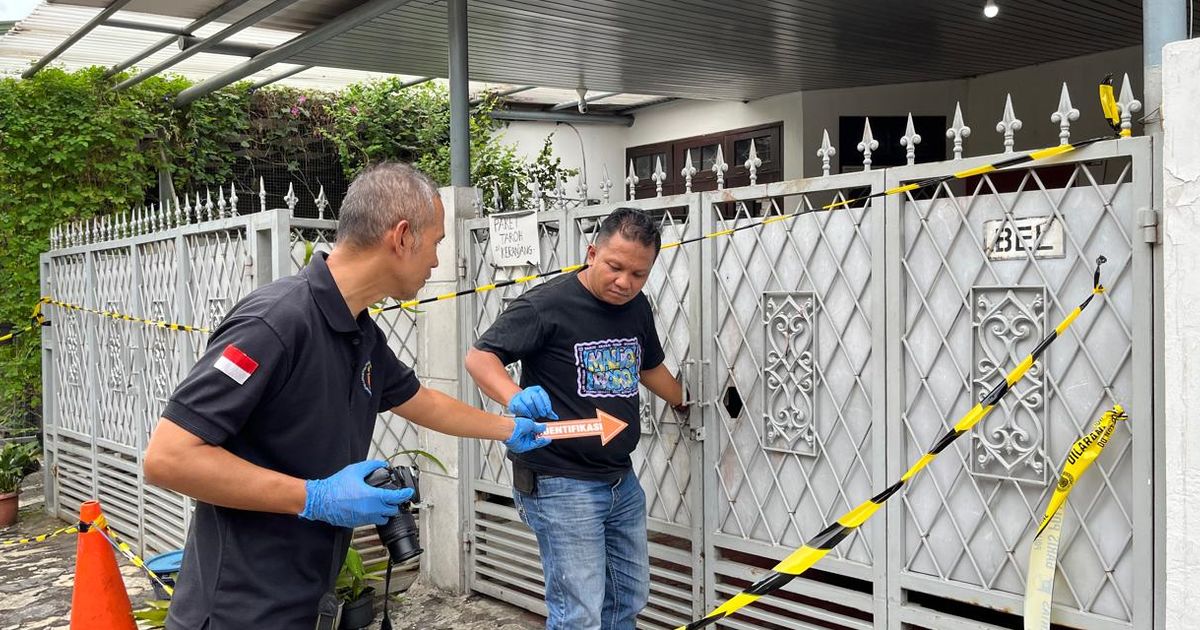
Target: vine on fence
[(73, 148)]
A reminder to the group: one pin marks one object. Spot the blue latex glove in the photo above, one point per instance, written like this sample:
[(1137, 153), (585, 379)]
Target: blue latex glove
[(525, 436), (532, 402), (346, 500)]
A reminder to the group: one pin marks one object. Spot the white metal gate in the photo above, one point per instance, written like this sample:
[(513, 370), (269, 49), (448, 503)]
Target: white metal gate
[(828, 352), (106, 381)]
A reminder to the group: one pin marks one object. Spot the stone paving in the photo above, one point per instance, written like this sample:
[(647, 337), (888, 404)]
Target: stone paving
[(36, 582)]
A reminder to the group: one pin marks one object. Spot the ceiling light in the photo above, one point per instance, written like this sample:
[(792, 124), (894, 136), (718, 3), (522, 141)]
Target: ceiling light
[(990, 10)]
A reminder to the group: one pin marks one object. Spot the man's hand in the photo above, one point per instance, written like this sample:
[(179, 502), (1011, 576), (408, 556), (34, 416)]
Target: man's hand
[(346, 500), (526, 435), (532, 402)]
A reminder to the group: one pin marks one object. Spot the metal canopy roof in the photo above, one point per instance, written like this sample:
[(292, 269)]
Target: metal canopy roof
[(703, 49)]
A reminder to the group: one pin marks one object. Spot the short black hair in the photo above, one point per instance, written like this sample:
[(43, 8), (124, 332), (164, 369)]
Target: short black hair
[(632, 224)]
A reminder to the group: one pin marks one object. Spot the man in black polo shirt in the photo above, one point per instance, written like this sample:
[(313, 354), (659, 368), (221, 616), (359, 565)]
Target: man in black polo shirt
[(585, 342), (269, 430)]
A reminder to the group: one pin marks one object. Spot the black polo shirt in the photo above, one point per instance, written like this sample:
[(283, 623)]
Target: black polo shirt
[(291, 381)]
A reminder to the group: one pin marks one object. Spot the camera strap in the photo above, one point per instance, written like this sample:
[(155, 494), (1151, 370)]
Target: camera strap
[(386, 624), (329, 610)]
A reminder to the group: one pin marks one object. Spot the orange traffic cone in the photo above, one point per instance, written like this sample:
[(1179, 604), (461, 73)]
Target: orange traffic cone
[(99, 601)]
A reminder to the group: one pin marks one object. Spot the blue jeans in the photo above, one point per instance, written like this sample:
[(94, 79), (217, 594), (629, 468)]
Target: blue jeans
[(592, 537)]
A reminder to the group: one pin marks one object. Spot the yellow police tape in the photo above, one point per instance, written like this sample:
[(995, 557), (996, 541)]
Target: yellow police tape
[(158, 323), (126, 551), (101, 525), (815, 548), (39, 538), (1043, 555), (38, 321)]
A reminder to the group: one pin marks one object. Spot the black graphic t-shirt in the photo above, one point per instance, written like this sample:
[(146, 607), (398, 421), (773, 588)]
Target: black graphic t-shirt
[(587, 355)]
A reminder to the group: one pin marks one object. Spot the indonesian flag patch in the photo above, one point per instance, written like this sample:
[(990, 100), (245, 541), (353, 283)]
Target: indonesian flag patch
[(236, 364)]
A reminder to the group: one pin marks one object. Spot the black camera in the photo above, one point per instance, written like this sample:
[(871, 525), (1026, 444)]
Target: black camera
[(399, 534)]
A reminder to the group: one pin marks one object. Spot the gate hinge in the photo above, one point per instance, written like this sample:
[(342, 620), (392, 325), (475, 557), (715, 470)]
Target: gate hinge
[(1148, 221), (467, 540), (462, 267)]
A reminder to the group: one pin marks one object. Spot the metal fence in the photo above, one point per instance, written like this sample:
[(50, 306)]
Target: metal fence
[(107, 380), (830, 350)]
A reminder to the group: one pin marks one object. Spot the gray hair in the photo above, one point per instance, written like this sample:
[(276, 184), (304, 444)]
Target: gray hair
[(381, 196)]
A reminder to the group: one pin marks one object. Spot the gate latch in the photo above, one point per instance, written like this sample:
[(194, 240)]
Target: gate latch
[(1148, 221)]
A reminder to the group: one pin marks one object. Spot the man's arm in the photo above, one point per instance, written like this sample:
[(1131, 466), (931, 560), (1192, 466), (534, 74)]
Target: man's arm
[(489, 373), (660, 381), (437, 411), (178, 460)]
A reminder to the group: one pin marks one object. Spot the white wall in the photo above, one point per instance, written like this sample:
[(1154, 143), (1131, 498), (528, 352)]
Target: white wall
[(1181, 330), (603, 144), (681, 119), (1035, 91)]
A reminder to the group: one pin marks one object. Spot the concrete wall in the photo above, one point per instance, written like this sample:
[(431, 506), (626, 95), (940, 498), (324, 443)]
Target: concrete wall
[(1035, 92), (442, 563), (598, 145), (1181, 330)]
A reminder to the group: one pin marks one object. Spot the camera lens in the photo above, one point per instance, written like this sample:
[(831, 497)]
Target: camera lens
[(399, 534)]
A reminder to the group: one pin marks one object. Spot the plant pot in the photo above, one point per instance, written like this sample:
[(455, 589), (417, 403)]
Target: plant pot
[(8, 508), (360, 612)]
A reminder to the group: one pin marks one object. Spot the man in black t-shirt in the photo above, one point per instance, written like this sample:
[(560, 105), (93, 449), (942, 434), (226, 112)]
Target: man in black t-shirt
[(269, 430), (585, 342)]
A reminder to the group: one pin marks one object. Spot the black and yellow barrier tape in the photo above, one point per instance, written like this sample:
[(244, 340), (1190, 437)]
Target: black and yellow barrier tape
[(1043, 554), (1108, 104), (38, 320), (100, 525), (125, 550), (1111, 114), (806, 556), (39, 538), (157, 323)]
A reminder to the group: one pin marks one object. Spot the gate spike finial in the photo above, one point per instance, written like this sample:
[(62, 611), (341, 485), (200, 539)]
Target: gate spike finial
[(322, 202), (581, 187), (1009, 124), (910, 141), (1065, 115), (497, 200), (180, 217), (516, 193), (689, 171), (752, 163), (560, 189), (187, 209), (658, 176), (262, 195), (826, 152), (606, 185), (208, 204), (958, 131), (535, 190), (222, 205), (719, 167), (290, 198), (631, 181), (1127, 105), (233, 199), (868, 144)]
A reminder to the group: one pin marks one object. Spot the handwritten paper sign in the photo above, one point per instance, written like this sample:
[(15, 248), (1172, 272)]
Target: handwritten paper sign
[(514, 239)]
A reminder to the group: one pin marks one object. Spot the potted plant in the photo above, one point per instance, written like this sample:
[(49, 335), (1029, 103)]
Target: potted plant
[(358, 599), (17, 461)]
